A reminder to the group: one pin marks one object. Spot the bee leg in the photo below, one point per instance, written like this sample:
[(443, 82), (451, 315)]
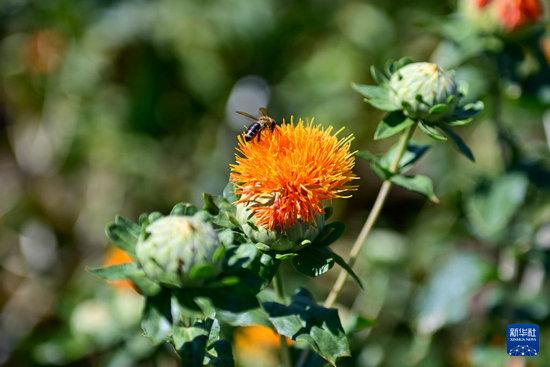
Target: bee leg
[(259, 135)]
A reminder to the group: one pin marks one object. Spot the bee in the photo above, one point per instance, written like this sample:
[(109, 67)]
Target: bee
[(260, 123)]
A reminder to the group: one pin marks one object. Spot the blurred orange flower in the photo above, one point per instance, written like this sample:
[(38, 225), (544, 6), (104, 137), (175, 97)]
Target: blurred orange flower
[(256, 339), (287, 174), (43, 51), (516, 13), (116, 256)]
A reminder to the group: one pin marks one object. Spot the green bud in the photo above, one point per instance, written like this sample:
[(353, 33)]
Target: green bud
[(294, 238), (180, 251), (425, 91)]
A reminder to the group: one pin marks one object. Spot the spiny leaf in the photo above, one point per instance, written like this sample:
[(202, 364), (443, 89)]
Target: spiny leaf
[(420, 184), (377, 96), (346, 267), (318, 326), (330, 233), (432, 131), (393, 123), (459, 143)]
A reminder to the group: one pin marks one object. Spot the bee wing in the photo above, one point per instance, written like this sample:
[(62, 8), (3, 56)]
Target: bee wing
[(246, 114), (263, 111)]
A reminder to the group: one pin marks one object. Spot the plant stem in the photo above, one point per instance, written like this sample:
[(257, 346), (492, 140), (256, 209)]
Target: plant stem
[(279, 289), (369, 223), (371, 219)]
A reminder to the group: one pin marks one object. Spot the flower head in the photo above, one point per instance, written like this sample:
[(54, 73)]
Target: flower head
[(285, 176), (176, 247), (420, 86), (516, 13)]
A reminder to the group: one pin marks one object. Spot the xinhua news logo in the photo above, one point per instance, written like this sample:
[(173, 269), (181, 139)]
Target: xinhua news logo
[(522, 340)]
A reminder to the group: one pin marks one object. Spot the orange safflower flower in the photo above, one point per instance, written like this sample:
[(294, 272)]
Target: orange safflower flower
[(287, 174), (516, 13), (257, 339), (116, 256)]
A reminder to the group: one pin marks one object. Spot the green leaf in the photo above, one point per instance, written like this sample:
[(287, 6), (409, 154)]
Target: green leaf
[(432, 131), (252, 317), (490, 209), (393, 123), (184, 209), (156, 320), (374, 163), (466, 113), (329, 234), (346, 267), (313, 261), (420, 184), (377, 96), (438, 109), (201, 345), (378, 76), (229, 193), (286, 256), (209, 204), (459, 143), (115, 272), (124, 234), (413, 153), (304, 320)]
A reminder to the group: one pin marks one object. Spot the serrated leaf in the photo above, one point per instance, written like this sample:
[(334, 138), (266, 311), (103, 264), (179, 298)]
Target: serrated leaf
[(490, 209), (413, 153), (304, 320), (467, 112), (156, 320), (124, 234), (374, 163), (432, 131), (377, 96), (391, 124), (313, 261), (346, 267), (229, 193), (459, 143), (115, 272), (420, 184), (330, 233)]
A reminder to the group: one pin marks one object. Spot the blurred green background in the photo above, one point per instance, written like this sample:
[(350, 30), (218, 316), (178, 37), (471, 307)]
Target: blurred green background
[(113, 107)]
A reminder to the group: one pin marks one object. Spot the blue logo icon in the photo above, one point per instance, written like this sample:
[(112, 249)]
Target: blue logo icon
[(522, 340)]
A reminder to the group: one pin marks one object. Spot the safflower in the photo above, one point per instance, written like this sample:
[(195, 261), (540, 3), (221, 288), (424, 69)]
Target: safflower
[(257, 345), (516, 13), (285, 177)]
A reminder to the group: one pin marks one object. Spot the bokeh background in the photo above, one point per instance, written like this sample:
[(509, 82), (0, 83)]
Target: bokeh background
[(126, 107)]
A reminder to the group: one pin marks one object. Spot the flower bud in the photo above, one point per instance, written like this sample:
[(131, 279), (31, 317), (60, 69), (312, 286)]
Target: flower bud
[(420, 86), (176, 247), (295, 237)]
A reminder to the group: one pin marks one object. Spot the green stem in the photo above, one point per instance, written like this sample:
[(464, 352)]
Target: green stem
[(367, 227), (279, 289)]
